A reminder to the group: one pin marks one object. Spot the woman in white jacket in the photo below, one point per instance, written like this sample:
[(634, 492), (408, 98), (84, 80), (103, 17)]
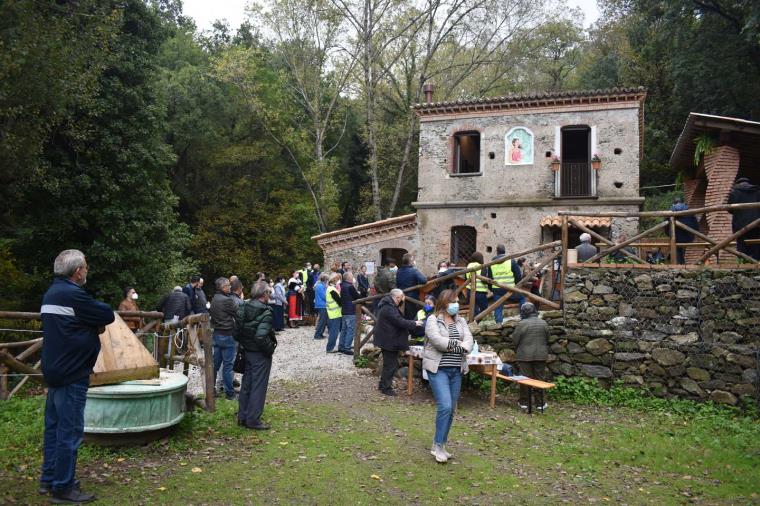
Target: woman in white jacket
[(447, 341)]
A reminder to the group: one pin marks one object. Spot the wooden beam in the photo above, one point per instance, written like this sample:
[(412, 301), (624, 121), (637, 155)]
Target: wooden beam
[(563, 263), (597, 236), (673, 248), (702, 236), (22, 382), (728, 240), (29, 351), (663, 214), (20, 344), (522, 292), (627, 242), (20, 367)]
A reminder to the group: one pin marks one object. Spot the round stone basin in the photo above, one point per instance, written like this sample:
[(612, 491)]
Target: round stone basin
[(136, 406)]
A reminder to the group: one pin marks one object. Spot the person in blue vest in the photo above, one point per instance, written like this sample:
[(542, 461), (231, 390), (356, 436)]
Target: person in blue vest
[(320, 305), (507, 273), (71, 322)]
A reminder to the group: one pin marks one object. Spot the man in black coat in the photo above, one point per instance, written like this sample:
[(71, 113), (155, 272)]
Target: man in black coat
[(392, 336), (745, 192)]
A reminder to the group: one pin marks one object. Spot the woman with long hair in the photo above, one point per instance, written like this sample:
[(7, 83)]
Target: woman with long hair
[(447, 342)]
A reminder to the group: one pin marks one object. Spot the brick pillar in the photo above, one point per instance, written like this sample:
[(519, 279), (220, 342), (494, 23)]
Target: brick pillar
[(694, 198), (721, 167)]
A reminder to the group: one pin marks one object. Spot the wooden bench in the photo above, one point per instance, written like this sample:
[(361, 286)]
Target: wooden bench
[(532, 384)]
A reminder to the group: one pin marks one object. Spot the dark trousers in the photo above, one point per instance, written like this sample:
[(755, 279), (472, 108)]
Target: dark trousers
[(253, 389), (681, 256), (752, 250), (321, 323), (390, 366), (278, 317), (535, 369), (64, 429)]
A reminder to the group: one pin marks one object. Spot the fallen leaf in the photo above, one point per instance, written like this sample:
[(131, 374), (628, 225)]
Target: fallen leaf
[(376, 477), (161, 488), (196, 470)]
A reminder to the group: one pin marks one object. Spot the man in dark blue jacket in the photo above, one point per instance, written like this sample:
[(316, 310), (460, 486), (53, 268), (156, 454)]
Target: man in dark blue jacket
[(71, 320), (407, 277)]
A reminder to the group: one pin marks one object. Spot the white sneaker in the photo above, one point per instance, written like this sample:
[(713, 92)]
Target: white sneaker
[(543, 408), (522, 406), (443, 449), (437, 452)]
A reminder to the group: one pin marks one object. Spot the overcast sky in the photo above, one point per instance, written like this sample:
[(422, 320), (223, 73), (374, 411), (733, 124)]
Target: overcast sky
[(206, 12)]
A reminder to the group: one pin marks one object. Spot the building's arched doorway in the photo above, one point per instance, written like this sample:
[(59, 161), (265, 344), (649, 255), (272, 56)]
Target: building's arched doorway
[(394, 253)]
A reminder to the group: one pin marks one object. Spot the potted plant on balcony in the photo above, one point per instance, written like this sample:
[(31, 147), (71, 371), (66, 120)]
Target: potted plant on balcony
[(555, 163), (596, 162)]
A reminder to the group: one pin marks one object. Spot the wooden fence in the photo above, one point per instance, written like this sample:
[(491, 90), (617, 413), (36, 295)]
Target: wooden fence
[(469, 278), (195, 348)]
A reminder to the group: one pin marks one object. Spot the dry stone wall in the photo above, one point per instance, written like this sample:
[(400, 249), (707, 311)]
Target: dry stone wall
[(686, 333)]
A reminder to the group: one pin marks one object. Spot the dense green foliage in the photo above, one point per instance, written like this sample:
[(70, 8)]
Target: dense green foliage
[(161, 150)]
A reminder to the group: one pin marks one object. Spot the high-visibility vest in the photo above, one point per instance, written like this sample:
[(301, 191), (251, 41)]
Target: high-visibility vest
[(422, 315), (479, 285), (333, 308), (502, 273), (304, 277)]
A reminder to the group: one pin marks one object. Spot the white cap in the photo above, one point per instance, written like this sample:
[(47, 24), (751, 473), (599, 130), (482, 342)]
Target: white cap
[(585, 237)]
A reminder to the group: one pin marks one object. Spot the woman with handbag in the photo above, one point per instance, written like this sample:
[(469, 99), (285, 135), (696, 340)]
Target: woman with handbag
[(447, 340), (253, 330)]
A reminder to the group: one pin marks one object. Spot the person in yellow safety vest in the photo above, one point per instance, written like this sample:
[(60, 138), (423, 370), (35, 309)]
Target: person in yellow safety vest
[(334, 313), (507, 273), (422, 314), (481, 289)]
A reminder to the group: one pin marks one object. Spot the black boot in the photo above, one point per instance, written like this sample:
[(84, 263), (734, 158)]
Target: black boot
[(71, 496)]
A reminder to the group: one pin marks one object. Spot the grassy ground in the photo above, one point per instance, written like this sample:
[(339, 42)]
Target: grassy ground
[(334, 444)]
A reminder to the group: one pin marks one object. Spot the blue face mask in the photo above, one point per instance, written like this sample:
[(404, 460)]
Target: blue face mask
[(428, 307), (453, 308)]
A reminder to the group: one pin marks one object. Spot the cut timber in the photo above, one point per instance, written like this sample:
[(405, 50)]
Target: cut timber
[(122, 357)]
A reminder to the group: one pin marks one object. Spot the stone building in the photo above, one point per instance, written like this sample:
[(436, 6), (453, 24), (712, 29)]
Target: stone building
[(486, 175), (735, 153)]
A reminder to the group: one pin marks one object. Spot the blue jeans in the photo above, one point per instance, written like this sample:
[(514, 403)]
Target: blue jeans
[(347, 332), (481, 302), (333, 329), (225, 349), (498, 313), (446, 384), (321, 323), (64, 429)]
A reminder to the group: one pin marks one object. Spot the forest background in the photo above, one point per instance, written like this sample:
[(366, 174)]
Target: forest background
[(161, 150)]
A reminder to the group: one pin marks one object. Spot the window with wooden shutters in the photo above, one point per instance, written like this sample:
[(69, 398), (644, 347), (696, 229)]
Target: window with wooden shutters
[(463, 244)]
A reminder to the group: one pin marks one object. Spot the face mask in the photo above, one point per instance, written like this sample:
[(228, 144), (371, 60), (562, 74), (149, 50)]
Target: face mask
[(393, 269), (442, 269), (135, 296), (428, 307), (208, 305), (453, 308)]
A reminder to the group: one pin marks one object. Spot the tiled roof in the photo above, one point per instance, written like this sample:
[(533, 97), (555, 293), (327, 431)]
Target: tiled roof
[(536, 99), (587, 221), (369, 227)]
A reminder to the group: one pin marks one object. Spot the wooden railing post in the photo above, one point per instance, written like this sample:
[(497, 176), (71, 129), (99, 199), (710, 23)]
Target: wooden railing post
[(473, 291), (359, 311), (563, 267), (673, 248), (208, 366)]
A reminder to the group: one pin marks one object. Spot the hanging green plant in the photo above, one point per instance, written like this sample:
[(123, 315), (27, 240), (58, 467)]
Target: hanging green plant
[(703, 145)]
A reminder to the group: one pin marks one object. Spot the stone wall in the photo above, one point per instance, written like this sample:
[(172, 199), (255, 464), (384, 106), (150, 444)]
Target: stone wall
[(679, 332)]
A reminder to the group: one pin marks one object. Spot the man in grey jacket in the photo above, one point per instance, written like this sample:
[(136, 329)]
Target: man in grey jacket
[(531, 340), (223, 310)]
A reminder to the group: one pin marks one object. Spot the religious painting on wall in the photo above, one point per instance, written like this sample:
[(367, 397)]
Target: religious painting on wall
[(518, 147)]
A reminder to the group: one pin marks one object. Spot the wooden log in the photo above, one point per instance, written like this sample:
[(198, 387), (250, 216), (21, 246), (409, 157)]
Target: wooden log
[(208, 368), (29, 351), (20, 367), (23, 381), (673, 248), (358, 330), (473, 292), (524, 293), (663, 214), (19, 315), (367, 337), (728, 240), (627, 242), (148, 328), (436, 281), (4, 394), (702, 236), (563, 263), (410, 375), (606, 241), (158, 315), (21, 344)]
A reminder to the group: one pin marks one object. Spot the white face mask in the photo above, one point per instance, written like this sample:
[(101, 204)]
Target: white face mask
[(135, 296), (442, 269), (208, 305)]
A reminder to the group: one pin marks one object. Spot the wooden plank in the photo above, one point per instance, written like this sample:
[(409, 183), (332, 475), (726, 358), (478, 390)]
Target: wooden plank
[(20, 367), (664, 214), (208, 368), (410, 376), (722, 244), (122, 357), (20, 344), (29, 351), (524, 293), (673, 248), (563, 263), (709, 241), (23, 381)]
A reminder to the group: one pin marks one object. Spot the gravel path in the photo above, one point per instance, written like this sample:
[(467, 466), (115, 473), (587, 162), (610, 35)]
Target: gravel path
[(299, 358)]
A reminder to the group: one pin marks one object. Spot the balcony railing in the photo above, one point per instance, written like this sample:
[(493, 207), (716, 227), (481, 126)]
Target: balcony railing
[(575, 179)]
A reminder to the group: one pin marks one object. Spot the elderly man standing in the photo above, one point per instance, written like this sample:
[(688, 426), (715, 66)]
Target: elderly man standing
[(585, 249), (71, 320), (392, 336), (223, 310)]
